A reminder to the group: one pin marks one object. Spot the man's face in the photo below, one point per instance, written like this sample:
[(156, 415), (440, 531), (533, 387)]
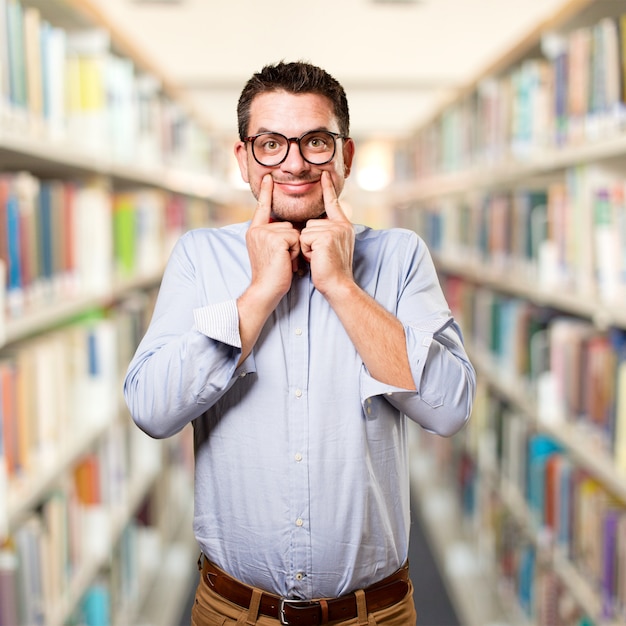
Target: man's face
[(297, 193)]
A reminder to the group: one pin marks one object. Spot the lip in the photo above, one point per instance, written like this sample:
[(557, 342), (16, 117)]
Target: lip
[(297, 188)]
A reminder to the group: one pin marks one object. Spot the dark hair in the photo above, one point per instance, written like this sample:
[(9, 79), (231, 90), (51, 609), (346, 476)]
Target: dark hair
[(297, 78)]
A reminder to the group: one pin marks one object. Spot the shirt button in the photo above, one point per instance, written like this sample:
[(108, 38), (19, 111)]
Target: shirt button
[(299, 576), (298, 457), (299, 522), (298, 331), (298, 393)]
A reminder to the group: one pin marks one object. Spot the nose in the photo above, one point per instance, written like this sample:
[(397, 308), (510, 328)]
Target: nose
[(294, 161)]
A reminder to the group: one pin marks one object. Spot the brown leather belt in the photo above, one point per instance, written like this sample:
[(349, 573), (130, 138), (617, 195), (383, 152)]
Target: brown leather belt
[(380, 595)]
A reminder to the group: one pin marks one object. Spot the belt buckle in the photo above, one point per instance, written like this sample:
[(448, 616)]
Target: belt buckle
[(291, 602)]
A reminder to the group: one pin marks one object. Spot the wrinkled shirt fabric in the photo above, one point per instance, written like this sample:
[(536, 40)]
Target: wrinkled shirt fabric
[(301, 457)]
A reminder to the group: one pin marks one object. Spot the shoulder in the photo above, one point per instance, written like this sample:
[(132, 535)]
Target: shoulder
[(400, 239), (213, 236), (231, 231), (208, 243)]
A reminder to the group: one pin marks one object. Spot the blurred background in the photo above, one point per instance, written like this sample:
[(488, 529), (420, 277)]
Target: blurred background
[(494, 129)]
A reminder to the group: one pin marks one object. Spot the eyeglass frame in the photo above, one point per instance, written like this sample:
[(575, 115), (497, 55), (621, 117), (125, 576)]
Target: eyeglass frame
[(252, 138)]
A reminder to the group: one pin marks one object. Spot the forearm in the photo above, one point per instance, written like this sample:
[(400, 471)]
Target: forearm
[(377, 335), (253, 309)]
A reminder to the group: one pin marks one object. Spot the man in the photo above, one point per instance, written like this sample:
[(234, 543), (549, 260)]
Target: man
[(297, 345)]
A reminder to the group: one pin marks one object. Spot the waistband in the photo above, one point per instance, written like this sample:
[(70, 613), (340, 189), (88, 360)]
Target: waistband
[(378, 596)]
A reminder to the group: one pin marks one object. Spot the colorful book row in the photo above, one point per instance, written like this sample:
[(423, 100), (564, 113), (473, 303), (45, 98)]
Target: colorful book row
[(572, 93), (45, 556), (526, 584), (61, 240), (71, 524), (514, 551), (572, 371), (547, 517), (69, 85), (58, 387), (53, 387), (570, 513), (569, 235)]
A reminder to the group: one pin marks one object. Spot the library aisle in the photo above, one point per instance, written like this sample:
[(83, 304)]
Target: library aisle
[(517, 184)]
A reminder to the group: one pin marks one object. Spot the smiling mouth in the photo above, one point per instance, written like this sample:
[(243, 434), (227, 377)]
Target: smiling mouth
[(297, 188)]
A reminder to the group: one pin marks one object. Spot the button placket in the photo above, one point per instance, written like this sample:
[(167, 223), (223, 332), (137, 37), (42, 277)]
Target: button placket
[(298, 372)]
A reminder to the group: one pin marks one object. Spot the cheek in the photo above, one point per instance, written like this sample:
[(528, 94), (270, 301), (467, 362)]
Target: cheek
[(338, 177)]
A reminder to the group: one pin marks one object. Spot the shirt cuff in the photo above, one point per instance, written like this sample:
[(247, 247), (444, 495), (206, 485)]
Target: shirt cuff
[(219, 321), (434, 326)]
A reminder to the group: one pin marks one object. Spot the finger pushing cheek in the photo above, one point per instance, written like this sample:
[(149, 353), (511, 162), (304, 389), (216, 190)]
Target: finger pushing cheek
[(331, 202), (264, 203)]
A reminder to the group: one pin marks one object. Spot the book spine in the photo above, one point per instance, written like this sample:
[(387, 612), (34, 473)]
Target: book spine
[(15, 39), (8, 587)]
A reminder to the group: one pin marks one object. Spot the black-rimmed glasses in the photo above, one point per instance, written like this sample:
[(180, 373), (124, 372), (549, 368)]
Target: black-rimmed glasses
[(317, 147)]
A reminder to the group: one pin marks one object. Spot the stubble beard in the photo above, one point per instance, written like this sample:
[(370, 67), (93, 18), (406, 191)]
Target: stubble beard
[(296, 210)]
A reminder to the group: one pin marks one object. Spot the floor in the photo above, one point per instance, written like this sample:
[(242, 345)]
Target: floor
[(431, 599), (432, 602)]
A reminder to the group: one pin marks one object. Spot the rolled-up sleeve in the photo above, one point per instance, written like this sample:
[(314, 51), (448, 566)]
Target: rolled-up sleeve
[(444, 378), (189, 355)]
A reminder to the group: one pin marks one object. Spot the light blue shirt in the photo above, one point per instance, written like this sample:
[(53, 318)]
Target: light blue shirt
[(302, 477)]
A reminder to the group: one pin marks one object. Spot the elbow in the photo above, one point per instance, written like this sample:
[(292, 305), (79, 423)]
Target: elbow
[(147, 424), (459, 409), (150, 427), (459, 405), (452, 424), (143, 414), (447, 417)]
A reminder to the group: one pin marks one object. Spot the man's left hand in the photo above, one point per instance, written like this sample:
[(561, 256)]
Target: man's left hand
[(328, 244)]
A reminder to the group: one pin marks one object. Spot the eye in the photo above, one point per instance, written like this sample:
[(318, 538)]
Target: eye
[(270, 143), (318, 141)]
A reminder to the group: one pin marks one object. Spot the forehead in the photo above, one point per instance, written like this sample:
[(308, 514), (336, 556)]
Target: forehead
[(291, 114)]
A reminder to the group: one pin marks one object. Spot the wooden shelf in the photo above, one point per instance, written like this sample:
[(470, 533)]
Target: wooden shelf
[(56, 158), (484, 177), (518, 284), (59, 312)]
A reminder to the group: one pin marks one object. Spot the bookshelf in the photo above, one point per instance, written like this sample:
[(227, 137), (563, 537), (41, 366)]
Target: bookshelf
[(517, 186), (95, 517)]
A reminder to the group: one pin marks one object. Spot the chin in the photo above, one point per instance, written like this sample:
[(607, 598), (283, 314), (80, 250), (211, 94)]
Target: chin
[(297, 214)]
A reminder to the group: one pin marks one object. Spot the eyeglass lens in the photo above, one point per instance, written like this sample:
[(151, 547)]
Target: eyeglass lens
[(317, 147)]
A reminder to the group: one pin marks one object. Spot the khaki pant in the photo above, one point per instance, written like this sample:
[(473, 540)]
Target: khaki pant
[(210, 609)]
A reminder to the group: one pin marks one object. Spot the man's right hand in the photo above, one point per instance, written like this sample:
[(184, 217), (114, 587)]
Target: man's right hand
[(273, 248)]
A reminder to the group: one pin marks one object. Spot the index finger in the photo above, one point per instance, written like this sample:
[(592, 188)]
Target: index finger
[(263, 210), (331, 201)]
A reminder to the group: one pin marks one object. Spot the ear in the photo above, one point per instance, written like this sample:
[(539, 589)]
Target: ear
[(241, 153), (348, 155)]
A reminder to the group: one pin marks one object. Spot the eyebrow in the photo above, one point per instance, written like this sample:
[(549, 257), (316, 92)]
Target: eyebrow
[(263, 129)]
